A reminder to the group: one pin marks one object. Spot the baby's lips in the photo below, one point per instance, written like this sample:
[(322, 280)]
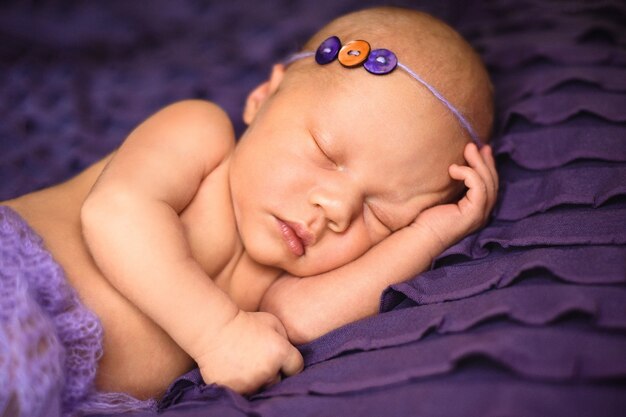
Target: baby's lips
[(306, 236)]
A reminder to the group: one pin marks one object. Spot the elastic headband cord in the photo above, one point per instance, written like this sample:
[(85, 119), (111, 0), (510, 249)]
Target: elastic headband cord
[(298, 55), (378, 62)]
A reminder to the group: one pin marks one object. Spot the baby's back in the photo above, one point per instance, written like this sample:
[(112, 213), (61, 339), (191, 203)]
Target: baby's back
[(139, 357)]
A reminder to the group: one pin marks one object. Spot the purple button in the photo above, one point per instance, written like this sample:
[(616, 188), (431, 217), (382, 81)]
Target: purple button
[(328, 50), (381, 61)]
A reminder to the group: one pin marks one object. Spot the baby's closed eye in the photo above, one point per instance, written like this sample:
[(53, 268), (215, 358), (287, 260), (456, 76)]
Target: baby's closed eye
[(373, 215), (322, 152)]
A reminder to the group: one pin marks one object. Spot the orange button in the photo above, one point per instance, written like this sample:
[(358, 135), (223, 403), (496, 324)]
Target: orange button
[(354, 53)]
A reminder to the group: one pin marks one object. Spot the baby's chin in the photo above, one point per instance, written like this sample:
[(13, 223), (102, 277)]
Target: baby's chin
[(281, 260), (303, 266)]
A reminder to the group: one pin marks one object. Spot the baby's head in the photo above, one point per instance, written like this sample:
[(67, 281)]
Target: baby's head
[(434, 51), (335, 159)]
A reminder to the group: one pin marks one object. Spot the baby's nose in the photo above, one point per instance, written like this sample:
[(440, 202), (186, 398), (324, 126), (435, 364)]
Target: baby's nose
[(339, 206)]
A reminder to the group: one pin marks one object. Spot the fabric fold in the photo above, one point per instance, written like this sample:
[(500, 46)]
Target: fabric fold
[(542, 79), (581, 137), (536, 303), (558, 227), (508, 53), (572, 185), (477, 389), (557, 106), (557, 353), (502, 269)]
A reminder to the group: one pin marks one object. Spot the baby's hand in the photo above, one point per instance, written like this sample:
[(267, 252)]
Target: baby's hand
[(248, 353), (449, 223)]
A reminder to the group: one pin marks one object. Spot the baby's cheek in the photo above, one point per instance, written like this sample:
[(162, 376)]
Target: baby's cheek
[(338, 250), (379, 236), (363, 239), (341, 249), (376, 231)]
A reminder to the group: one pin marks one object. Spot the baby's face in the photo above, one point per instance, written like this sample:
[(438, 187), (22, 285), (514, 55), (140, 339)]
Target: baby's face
[(334, 162)]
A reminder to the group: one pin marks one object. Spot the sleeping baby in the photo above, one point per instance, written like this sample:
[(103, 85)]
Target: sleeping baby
[(365, 157)]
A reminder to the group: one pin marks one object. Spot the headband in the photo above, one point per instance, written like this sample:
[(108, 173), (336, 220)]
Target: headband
[(378, 62)]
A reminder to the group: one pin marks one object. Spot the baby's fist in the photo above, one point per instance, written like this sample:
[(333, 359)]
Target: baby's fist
[(249, 353)]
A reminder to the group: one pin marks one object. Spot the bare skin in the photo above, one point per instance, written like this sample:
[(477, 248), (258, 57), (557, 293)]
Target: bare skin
[(134, 346), (177, 240), (139, 356)]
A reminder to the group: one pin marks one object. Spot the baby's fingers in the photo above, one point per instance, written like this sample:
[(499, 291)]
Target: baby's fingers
[(492, 183), (272, 321), (482, 162), (487, 153), (293, 363), (475, 201), (475, 205)]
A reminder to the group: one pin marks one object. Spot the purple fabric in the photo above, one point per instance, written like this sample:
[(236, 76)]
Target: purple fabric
[(581, 137), (50, 342), (470, 391), (576, 184), (33, 293), (541, 353), (510, 52), (562, 226), (524, 318), (557, 106), (502, 268), (549, 302), (542, 79)]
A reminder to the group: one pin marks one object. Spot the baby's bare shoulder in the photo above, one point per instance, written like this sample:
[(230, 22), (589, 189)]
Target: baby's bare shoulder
[(194, 122), (187, 139)]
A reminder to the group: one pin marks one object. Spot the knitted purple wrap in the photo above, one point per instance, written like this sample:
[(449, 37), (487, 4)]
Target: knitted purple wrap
[(50, 343)]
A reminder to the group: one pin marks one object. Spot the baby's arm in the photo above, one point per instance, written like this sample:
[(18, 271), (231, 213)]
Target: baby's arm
[(132, 227), (312, 306)]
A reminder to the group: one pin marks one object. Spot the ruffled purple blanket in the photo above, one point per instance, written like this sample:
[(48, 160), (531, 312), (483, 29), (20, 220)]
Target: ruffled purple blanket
[(525, 318)]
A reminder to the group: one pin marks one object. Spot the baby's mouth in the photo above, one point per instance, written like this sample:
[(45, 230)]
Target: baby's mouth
[(296, 236)]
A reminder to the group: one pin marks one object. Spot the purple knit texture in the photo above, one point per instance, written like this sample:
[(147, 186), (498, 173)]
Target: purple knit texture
[(50, 342)]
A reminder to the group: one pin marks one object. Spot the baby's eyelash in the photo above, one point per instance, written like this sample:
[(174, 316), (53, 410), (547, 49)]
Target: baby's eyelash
[(319, 148)]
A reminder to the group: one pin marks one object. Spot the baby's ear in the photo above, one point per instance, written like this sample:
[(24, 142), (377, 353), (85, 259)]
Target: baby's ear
[(262, 92)]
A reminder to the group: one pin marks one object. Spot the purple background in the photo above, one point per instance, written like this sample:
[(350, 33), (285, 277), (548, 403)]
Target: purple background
[(524, 318)]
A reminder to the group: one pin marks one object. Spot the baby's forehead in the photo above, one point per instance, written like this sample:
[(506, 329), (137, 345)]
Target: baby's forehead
[(389, 117), (384, 65), (381, 118), (431, 49)]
